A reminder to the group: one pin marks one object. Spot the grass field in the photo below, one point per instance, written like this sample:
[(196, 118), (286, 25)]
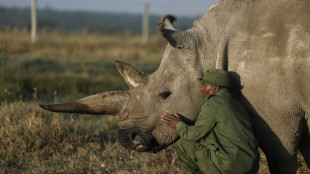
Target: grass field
[(63, 66), (70, 64)]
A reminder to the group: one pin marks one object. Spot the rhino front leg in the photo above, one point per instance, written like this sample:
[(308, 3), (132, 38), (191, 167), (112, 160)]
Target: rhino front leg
[(280, 161), (278, 138), (280, 149), (304, 148)]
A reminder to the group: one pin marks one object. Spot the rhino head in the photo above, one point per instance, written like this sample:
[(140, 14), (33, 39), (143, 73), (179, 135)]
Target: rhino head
[(171, 88)]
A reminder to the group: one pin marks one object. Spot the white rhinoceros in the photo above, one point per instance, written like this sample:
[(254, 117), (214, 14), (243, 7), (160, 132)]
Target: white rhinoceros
[(264, 44)]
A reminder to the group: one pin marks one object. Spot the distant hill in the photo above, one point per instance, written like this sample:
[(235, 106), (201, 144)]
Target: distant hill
[(82, 20)]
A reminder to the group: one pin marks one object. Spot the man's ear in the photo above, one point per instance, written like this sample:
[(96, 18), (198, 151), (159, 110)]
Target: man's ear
[(217, 88)]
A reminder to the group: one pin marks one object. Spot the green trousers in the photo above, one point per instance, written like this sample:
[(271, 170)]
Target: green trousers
[(195, 158)]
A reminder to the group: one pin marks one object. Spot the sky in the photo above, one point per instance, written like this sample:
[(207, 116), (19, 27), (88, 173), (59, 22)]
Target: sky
[(160, 7)]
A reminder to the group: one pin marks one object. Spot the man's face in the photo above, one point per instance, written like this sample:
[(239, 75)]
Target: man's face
[(208, 89)]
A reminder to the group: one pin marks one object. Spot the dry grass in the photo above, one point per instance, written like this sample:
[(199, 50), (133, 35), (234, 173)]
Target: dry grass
[(36, 141)]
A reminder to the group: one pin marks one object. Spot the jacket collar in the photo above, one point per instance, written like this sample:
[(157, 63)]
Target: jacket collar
[(222, 91)]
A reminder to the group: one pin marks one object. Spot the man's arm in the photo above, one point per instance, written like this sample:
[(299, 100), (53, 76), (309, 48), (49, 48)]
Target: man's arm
[(203, 125)]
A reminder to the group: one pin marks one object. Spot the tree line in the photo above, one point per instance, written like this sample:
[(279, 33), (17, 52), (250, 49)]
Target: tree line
[(83, 20)]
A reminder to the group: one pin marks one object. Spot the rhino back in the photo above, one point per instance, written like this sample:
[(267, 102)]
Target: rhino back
[(266, 43)]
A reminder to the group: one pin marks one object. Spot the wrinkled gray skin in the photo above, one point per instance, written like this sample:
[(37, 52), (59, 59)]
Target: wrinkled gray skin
[(265, 44)]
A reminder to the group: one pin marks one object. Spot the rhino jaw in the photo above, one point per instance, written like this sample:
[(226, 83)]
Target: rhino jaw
[(140, 142)]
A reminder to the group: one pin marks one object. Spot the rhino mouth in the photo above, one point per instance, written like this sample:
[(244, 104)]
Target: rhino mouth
[(138, 141)]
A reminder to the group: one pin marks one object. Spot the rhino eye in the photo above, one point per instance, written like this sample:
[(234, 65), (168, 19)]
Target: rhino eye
[(165, 94)]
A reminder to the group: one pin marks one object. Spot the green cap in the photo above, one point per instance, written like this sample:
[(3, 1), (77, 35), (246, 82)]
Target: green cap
[(217, 77)]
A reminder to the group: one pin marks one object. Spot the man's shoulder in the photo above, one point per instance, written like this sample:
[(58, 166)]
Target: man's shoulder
[(210, 100), (210, 104)]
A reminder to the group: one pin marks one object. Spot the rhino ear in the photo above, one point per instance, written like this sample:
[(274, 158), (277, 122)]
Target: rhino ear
[(177, 39), (132, 76)]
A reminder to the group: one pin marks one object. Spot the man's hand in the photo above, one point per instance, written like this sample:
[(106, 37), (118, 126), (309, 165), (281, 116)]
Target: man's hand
[(170, 120)]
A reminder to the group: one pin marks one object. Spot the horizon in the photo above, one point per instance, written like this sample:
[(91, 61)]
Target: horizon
[(159, 7)]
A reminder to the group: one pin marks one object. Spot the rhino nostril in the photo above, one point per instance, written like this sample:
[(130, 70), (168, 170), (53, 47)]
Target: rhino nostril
[(132, 135)]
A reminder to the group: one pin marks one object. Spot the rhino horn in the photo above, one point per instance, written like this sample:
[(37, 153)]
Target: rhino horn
[(109, 103), (178, 39), (132, 76)]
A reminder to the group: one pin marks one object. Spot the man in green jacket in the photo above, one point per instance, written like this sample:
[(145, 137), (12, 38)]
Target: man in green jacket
[(222, 139)]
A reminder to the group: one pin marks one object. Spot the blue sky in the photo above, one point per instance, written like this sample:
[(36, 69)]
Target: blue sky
[(161, 7)]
